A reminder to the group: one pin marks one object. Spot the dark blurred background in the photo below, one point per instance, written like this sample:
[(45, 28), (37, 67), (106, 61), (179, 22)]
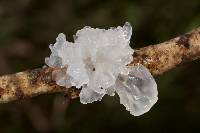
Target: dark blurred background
[(27, 27)]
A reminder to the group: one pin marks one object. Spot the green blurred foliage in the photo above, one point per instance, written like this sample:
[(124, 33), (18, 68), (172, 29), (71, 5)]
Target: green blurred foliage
[(27, 27)]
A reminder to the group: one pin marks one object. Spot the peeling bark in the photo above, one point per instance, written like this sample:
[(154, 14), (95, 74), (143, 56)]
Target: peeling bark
[(162, 57), (157, 58)]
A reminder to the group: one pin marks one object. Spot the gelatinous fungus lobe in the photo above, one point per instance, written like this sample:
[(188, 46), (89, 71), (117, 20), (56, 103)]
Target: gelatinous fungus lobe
[(97, 62)]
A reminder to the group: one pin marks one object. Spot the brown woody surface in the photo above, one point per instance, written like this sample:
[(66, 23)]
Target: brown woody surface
[(157, 58)]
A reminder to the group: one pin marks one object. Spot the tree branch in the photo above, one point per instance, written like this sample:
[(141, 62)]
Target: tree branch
[(157, 58)]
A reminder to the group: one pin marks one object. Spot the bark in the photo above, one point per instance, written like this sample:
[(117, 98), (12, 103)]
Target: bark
[(158, 58)]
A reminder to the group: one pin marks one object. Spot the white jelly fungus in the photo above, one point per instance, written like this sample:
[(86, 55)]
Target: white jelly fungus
[(97, 63)]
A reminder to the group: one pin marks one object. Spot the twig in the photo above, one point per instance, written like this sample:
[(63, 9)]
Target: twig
[(157, 58)]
